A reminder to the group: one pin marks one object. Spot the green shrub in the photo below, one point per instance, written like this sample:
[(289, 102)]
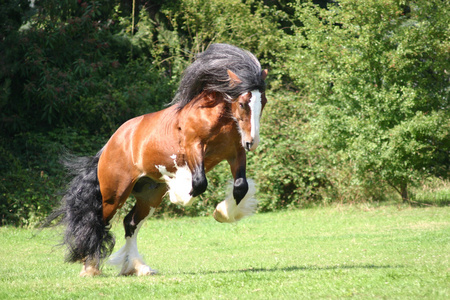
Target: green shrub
[(68, 80), (76, 72), (289, 170), (377, 73)]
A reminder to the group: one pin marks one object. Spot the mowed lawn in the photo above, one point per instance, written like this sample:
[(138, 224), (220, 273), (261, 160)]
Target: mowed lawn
[(387, 252)]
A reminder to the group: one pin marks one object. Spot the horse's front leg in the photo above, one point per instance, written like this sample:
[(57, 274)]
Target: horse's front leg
[(195, 161), (240, 202), (199, 181), (240, 185)]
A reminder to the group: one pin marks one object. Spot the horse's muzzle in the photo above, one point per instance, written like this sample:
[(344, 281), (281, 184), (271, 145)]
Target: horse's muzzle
[(250, 146)]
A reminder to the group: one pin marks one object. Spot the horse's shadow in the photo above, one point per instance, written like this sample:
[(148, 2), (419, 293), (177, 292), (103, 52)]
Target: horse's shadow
[(296, 268), (307, 268)]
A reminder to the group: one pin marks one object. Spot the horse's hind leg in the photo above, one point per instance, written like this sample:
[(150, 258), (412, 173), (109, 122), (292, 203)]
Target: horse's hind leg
[(148, 196), (91, 265)]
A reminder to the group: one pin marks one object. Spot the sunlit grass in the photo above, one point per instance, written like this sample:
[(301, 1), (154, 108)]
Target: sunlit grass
[(362, 252)]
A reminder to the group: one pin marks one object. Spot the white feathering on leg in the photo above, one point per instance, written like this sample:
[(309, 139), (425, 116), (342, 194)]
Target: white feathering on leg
[(128, 258), (228, 212)]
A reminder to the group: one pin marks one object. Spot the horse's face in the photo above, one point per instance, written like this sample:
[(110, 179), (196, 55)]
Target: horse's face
[(247, 110)]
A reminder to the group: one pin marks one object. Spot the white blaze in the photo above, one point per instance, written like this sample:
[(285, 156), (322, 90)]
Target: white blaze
[(255, 106)]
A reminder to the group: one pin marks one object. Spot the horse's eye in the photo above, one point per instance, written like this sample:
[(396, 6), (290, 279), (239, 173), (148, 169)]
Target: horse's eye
[(241, 105)]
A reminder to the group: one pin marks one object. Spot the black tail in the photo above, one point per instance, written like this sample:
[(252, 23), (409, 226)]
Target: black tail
[(87, 237)]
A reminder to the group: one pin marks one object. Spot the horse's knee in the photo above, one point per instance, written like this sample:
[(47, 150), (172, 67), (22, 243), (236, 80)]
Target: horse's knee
[(240, 189)]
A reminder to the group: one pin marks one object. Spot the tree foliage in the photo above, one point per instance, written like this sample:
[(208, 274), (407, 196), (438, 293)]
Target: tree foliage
[(377, 72), (73, 69)]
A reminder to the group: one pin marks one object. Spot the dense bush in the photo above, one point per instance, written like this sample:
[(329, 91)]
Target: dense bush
[(75, 73), (68, 82), (31, 176), (290, 171), (377, 73)]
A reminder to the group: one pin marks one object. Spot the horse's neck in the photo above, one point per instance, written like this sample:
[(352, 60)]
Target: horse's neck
[(211, 105), (208, 113)]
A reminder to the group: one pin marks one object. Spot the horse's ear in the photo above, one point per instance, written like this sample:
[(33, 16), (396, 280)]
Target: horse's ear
[(264, 74), (234, 79)]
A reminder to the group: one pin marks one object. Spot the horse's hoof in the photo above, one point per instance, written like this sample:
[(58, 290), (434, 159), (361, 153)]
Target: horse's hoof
[(89, 271), (218, 216), (145, 270), (139, 269)]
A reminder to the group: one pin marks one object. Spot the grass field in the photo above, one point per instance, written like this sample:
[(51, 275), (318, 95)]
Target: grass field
[(333, 253)]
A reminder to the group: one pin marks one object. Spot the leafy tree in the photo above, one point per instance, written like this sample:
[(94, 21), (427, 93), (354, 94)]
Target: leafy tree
[(378, 75), (74, 69)]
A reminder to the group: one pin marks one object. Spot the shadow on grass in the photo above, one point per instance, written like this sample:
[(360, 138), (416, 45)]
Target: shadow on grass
[(276, 269), (296, 268), (428, 203)]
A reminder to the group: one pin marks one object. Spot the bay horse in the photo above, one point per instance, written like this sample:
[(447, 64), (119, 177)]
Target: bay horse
[(214, 116)]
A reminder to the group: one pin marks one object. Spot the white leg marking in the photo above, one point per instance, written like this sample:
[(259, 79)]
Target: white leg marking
[(179, 183), (228, 212), (128, 257)]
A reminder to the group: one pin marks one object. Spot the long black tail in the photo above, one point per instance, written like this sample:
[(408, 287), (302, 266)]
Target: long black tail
[(86, 236)]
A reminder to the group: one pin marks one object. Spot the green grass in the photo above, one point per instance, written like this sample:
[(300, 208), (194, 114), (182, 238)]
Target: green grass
[(433, 191), (386, 252)]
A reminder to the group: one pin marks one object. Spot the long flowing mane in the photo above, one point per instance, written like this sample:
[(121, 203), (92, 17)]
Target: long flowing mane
[(209, 73)]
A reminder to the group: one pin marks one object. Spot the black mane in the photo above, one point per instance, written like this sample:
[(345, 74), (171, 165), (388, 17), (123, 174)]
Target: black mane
[(209, 73)]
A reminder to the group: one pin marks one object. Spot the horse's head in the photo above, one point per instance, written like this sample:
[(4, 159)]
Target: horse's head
[(247, 110)]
